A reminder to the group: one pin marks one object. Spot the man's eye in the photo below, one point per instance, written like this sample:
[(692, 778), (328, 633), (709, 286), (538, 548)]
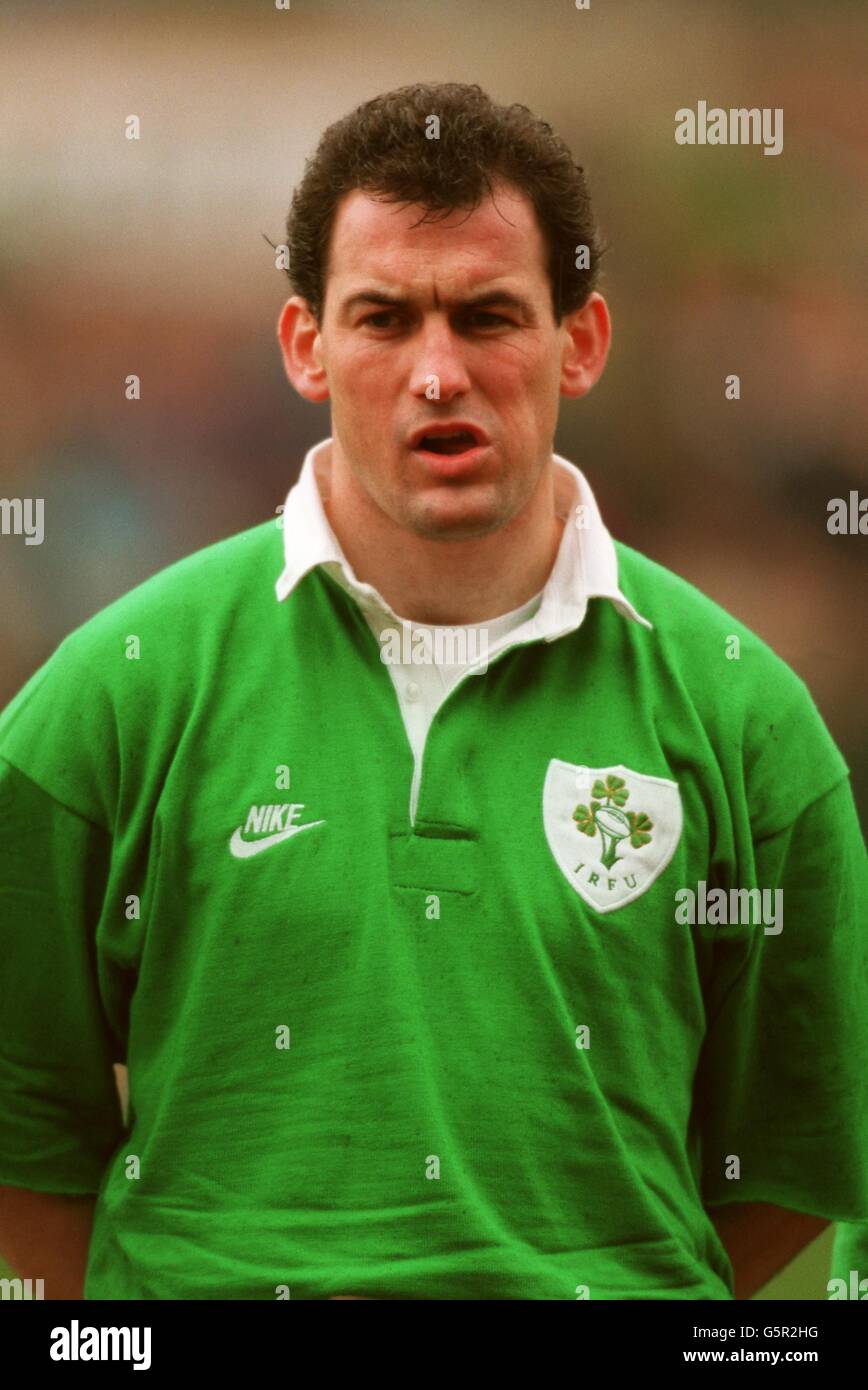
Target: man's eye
[(383, 314), (479, 317), (492, 318)]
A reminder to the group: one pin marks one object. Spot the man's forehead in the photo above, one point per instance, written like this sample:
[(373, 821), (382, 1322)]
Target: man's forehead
[(374, 238)]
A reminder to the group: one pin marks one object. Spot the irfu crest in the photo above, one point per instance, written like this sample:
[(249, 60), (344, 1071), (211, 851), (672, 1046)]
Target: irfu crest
[(606, 816), (611, 830)]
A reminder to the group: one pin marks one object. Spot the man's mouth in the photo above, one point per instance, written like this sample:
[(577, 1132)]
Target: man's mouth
[(457, 443), (450, 439)]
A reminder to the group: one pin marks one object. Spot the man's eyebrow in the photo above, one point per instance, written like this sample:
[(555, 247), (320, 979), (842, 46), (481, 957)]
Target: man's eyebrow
[(486, 299), (370, 297), (507, 298)]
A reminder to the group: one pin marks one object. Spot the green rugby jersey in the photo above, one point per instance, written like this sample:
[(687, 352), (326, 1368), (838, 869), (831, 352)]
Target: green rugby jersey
[(478, 1052)]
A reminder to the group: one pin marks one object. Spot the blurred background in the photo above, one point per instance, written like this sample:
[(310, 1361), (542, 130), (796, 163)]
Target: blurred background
[(148, 257)]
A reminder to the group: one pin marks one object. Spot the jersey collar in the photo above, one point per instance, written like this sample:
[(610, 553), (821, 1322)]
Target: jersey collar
[(586, 565)]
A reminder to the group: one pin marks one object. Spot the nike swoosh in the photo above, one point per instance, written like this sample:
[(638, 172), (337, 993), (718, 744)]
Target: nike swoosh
[(243, 849)]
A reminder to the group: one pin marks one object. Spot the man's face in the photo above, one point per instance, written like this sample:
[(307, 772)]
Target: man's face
[(405, 344)]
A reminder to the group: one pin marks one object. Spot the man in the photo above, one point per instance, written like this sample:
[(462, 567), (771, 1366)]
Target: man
[(400, 950)]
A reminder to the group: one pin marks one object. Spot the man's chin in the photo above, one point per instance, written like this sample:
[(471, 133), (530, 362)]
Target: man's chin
[(455, 528), (455, 518)]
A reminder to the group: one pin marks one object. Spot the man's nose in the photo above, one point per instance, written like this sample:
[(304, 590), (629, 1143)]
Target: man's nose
[(439, 369)]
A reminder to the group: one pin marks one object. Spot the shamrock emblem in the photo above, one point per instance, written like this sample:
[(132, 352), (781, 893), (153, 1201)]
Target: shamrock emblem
[(605, 814)]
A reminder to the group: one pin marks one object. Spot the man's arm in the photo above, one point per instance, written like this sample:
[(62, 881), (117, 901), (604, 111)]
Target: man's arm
[(761, 1239), (45, 1235), (60, 1119)]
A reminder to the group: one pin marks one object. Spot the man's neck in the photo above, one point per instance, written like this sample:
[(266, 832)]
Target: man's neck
[(449, 582)]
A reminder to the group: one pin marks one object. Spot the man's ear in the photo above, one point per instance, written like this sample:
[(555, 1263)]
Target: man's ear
[(587, 335), (300, 344)]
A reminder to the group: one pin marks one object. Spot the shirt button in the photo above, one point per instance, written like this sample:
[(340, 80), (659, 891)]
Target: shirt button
[(412, 691)]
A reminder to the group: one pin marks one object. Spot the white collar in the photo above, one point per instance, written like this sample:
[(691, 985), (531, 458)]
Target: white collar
[(586, 565)]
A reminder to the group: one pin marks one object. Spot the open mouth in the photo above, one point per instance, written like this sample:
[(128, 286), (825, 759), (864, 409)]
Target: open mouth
[(457, 443)]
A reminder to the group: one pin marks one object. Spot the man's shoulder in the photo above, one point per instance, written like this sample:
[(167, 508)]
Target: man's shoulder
[(180, 607), (199, 586), (688, 624), (711, 668), (140, 657), (657, 586)]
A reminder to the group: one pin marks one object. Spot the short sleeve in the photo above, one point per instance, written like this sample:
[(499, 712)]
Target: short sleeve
[(781, 1084), (60, 1117)]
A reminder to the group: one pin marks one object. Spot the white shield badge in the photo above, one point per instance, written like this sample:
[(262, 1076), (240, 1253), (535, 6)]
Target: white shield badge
[(611, 830)]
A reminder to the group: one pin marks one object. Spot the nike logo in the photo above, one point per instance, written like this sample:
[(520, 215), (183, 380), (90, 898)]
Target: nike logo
[(270, 817)]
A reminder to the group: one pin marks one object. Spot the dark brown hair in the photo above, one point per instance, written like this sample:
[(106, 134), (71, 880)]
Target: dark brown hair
[(382, 148)]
